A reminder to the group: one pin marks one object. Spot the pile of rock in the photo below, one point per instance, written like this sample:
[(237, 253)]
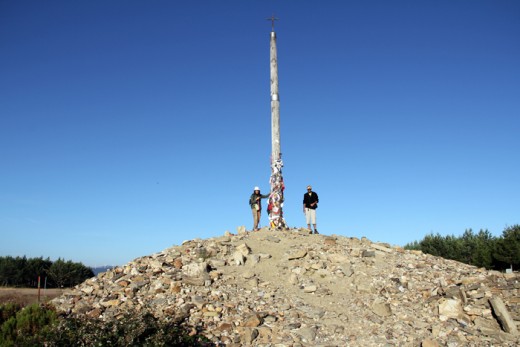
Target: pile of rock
[(294, 289)]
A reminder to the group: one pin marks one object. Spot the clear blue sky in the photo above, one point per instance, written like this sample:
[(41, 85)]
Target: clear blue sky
[(127, 127)]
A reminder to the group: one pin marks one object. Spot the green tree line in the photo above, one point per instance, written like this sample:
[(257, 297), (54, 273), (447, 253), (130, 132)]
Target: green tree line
[(24, 272), (479, 249)]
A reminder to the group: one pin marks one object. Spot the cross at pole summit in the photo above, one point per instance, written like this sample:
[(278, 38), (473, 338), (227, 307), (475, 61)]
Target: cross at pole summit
[(272, 19)]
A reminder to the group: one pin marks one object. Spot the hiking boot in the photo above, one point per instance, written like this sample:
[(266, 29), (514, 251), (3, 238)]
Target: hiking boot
[(316, 231)]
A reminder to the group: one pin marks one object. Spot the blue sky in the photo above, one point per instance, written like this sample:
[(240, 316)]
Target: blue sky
[(127, 127)]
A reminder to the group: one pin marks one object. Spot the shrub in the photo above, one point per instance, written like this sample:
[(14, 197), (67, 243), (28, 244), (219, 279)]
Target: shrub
[(37, 325), (27, 327), (7, 311), (133, 329)]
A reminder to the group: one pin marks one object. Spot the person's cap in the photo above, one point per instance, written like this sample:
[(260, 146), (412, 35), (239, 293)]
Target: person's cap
[(256, 188)]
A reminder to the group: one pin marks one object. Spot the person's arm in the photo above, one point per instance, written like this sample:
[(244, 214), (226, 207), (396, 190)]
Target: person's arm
[(315, 202)]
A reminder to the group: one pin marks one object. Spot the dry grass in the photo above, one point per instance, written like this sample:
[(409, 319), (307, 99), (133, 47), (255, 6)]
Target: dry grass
[(26, 296)]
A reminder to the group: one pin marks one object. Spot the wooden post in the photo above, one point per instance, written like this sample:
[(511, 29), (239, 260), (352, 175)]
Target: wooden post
[(275, 102), (38, 288), (276, 197)]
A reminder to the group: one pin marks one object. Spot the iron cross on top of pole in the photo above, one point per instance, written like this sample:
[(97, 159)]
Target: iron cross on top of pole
[(272, 19)]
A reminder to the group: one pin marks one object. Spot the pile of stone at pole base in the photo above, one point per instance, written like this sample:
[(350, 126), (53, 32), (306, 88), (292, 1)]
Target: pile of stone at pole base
[(290, 288)]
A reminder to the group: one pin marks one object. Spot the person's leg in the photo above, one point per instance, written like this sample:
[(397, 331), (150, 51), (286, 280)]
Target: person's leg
[(255, 218), (313, 218), (259, 219), (308, 218)]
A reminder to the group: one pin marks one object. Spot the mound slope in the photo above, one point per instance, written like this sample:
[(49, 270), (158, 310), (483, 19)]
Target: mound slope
[(294, 289)]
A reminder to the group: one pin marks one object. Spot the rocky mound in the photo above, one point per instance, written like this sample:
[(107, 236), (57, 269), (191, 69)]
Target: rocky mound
[(294, 289)]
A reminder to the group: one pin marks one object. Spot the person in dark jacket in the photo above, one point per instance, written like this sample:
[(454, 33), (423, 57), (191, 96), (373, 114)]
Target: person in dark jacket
[(255, 201), (310, 203)]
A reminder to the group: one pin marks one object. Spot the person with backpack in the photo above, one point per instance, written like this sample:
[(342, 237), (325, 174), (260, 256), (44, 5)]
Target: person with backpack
[(310, 204), (255, 201)]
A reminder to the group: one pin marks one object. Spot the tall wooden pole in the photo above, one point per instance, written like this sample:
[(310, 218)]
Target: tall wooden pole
[(275, 101), (276, 197)]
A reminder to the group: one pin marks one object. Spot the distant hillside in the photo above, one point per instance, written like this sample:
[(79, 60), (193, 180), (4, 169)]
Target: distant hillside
[(100, 269), (291, 288)]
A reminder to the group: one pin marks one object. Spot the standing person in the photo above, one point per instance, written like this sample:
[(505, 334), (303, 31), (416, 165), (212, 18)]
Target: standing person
[(310, 203), (255, 201)]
